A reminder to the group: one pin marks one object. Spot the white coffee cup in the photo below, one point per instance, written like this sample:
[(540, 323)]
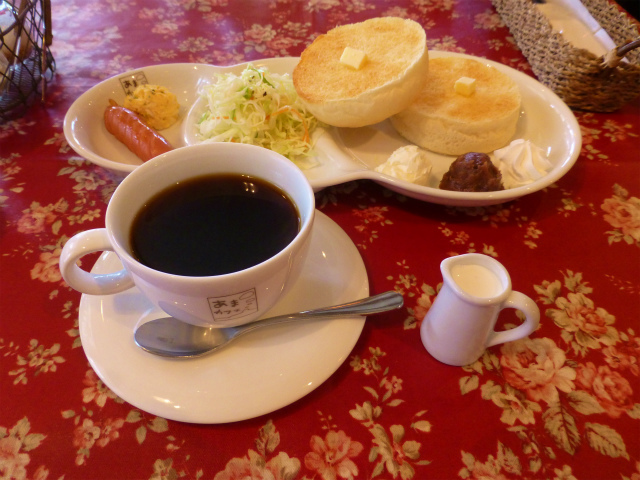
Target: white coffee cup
[(460, 324), (246, 294)]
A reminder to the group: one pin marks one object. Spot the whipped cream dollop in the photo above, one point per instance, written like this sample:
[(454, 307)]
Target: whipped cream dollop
[(409, 163), (521, 162)]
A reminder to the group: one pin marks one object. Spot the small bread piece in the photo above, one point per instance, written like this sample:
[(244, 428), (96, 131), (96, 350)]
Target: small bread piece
[(444, 121), (393, 74)]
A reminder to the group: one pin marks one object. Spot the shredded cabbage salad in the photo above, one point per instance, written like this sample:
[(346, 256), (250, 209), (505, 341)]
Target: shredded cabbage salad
[(260, 108)]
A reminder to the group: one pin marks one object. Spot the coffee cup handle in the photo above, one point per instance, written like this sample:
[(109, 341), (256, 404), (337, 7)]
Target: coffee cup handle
[(521, 302), (80, 245)]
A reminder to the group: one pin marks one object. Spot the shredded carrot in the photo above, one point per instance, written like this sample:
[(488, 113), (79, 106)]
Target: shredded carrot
[(289, 108), (260, 108)]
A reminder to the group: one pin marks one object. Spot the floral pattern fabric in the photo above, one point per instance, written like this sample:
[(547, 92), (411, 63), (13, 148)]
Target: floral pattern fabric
[(562, 404)]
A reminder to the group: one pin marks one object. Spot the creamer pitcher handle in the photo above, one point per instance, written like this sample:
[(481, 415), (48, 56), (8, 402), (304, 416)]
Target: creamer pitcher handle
[(94, 284), (521, 302)]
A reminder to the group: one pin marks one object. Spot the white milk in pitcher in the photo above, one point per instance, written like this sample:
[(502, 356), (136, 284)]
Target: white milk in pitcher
[(477, 280)]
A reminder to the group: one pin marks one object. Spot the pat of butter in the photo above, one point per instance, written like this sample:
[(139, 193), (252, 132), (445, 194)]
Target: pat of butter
[(353, 58), (465, 86)]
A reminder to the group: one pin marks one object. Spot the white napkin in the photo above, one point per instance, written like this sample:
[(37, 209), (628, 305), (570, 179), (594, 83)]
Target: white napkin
[(572, 19)]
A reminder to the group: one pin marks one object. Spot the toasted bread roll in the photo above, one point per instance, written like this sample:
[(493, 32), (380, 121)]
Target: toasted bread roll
[(444, 121), (390, 77)]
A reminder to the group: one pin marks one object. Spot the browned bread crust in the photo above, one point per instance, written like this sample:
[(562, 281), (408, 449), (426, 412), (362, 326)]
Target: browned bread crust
[(444, 121), (396, 66)]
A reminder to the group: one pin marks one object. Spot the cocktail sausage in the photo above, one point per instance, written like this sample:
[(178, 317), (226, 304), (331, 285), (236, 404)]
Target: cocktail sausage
[(131, 130)]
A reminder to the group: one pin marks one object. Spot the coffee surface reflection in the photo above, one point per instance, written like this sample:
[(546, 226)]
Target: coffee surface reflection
[(213, 225)]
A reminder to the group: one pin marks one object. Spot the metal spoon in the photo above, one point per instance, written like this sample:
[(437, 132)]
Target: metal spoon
[(169, 337)]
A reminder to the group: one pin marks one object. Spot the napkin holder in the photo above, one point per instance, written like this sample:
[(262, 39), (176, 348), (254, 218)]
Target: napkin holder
[(26, 62), (582, 79)]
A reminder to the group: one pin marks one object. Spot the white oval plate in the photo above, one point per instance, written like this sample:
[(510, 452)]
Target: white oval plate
[(84, 121), (344, 154), (258, 373)]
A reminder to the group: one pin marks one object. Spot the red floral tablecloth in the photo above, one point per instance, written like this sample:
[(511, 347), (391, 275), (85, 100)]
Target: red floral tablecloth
[(561, 404)]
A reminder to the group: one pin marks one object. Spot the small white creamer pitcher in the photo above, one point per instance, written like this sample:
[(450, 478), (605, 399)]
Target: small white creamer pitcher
[(460, 324)]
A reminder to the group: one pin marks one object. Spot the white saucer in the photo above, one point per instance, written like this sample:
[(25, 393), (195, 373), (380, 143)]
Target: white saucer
[(262, 372)]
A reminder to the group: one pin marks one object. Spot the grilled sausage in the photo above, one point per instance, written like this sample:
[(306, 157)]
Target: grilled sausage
[(131, 130)]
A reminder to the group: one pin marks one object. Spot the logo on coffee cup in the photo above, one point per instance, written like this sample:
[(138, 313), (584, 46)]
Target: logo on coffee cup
[(233, 306)]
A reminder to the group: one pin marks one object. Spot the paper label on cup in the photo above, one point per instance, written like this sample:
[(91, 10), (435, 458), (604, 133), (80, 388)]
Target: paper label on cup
[(233, 306)]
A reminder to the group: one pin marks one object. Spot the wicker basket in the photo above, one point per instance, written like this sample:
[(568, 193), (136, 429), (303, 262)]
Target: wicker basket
[(27, 60), (583, 80)]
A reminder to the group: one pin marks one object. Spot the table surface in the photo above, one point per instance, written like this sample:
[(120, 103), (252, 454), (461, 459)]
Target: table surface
[(562, 404)]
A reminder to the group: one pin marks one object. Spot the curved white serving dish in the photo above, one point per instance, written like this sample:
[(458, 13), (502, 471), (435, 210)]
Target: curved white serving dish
[(344, 154)]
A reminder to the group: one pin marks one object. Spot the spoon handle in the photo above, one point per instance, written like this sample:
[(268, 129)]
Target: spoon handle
[(382, 302)]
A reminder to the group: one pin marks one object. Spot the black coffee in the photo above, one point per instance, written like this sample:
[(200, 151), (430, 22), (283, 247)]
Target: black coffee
[(213, 224)]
